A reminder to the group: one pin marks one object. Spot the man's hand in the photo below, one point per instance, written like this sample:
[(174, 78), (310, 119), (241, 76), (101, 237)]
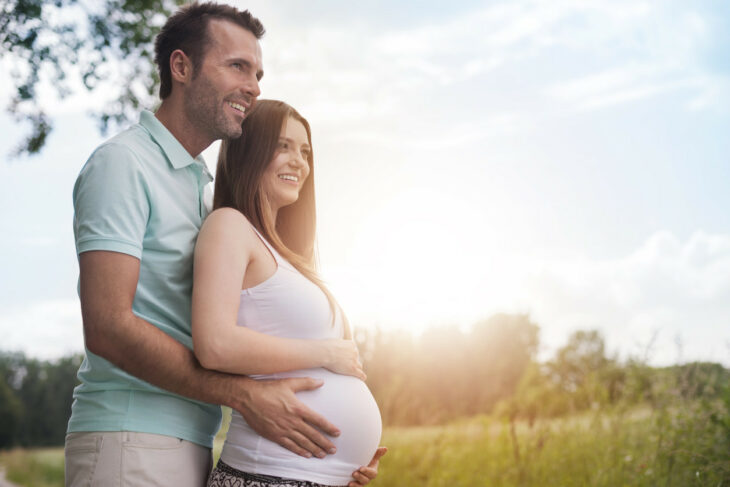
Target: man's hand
[(272, 409), (364, 475)]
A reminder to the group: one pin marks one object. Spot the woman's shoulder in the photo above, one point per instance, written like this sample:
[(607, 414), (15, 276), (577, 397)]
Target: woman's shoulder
[(226, 215), (227, 221)]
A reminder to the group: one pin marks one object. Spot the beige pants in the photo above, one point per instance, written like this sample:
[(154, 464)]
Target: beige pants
[(126, 458)]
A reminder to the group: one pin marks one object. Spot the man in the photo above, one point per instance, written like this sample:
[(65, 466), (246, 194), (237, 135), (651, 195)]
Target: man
[(146, 411)]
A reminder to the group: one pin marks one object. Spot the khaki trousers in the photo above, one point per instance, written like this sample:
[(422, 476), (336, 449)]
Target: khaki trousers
[(127, 458)]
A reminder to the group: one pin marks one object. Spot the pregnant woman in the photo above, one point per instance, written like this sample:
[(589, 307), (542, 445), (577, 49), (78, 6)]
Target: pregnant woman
[(259, 307)]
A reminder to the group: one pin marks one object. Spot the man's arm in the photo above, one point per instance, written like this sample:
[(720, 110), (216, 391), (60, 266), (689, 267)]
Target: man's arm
[(108, 281)]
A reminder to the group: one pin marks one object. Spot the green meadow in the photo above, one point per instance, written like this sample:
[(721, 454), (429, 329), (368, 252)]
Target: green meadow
[(644, 446)]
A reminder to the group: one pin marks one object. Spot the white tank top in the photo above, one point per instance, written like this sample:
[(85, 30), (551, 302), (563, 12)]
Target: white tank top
[(290, 305)]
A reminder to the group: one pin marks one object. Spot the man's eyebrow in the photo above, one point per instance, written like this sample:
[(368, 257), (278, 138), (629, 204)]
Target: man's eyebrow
[(247, 63)]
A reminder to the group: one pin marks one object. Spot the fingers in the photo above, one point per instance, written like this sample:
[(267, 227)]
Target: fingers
[(368, 473), (308, 445), (360, 479), (275, 413), (303, 383), (318, 421), (316, 442), (359, 373), (364, 475), (382, 450), (293, 447)]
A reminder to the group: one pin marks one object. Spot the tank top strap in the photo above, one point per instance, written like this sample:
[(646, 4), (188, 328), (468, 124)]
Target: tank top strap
[(278, 258)]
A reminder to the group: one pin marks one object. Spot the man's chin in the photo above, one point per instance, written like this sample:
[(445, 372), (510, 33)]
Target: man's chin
[(233, 133)]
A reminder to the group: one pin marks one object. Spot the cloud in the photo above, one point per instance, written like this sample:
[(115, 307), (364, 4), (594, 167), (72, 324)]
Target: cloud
[(43, 329), (678, 291)]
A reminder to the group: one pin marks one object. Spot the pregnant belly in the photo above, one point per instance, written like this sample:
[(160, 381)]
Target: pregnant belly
[(347, 403), (344, 401)]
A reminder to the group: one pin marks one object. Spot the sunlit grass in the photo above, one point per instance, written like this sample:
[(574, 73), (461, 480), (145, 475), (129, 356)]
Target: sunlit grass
[(42, 467), (637, 447)]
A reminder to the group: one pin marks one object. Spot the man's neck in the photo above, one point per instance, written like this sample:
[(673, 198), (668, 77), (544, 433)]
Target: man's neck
[(171, 115)]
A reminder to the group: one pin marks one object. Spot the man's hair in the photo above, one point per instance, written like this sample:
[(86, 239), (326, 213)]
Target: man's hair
[(187, 30)]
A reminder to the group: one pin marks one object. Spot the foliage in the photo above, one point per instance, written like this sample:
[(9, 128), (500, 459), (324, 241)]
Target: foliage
[(43, 392), (10, 415), (445, 373), (73, 46)]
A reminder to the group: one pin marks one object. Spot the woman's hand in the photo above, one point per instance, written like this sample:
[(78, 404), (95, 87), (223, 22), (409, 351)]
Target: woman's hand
[(342, 357), (364, 475)]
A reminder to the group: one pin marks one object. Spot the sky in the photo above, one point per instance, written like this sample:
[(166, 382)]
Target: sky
[(568, 160)]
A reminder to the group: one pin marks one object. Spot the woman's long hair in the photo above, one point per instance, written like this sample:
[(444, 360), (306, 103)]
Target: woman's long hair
[(241, 165)]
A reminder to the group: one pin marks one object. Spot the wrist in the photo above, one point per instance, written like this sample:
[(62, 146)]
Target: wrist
[(324, 353), (237, 391)]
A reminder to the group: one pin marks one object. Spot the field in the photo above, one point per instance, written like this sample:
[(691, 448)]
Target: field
[(640, 447), (40, 467)]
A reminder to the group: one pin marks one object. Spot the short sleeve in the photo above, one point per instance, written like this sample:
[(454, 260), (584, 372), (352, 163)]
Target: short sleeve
[(111, 202)]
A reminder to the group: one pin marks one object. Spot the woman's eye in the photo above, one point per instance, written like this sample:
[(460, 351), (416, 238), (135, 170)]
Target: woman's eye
[(283, 145)]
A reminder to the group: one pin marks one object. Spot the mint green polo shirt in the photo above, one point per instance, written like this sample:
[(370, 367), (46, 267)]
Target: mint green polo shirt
[(142, 194)]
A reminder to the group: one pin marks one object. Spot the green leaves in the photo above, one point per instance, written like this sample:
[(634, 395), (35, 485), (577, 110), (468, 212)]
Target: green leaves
[(67, 45)]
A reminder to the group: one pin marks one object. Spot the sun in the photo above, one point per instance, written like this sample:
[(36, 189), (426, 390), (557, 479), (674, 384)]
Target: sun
[(414, 262)]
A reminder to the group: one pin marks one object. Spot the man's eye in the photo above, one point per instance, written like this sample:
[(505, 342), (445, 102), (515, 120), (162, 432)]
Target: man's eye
[(236, 66)]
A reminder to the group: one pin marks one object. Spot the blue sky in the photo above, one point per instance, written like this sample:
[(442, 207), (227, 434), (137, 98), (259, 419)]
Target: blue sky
[(564, 159)]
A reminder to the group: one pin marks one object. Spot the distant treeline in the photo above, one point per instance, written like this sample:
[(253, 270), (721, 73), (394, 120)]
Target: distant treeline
[(35, 399), (446, 374), (442, 375)]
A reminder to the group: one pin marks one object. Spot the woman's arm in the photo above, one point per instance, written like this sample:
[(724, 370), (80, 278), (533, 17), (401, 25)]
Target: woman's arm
[(222, 254)]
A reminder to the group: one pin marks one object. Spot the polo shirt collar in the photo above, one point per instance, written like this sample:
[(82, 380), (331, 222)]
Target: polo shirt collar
[(176, 154)]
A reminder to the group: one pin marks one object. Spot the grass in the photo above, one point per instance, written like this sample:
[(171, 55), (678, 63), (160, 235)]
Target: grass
[(42, 467), (643, 447), (600, 449)]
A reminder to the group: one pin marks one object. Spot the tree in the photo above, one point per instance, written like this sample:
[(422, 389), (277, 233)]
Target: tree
[(76, 45), (500, 351), (35, 399), (11, 412)]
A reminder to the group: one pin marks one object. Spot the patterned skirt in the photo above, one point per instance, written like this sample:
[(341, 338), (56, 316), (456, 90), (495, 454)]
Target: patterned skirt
[(224, 475)]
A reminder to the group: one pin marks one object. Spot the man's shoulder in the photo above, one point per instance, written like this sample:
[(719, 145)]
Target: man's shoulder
[(134, 145)]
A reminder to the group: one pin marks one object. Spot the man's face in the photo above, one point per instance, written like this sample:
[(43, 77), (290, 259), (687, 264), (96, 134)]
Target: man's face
[(226, 83)]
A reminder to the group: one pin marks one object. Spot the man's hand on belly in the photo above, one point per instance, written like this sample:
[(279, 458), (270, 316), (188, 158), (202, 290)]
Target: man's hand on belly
[(271, 408)]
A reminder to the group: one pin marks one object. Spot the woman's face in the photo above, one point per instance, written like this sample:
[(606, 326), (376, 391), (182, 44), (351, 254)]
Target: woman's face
[(287, 171)]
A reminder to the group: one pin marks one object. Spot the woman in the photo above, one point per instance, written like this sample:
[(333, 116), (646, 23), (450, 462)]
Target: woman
[(259, 307)]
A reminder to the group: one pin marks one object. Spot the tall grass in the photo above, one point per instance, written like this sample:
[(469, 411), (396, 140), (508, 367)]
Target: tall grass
[(645, 448), (683, 444)]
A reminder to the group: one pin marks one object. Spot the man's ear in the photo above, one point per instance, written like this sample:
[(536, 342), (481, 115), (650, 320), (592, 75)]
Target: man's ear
[(181, 68)]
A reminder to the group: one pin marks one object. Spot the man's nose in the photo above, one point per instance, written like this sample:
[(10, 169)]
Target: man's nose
[(252, 88)]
